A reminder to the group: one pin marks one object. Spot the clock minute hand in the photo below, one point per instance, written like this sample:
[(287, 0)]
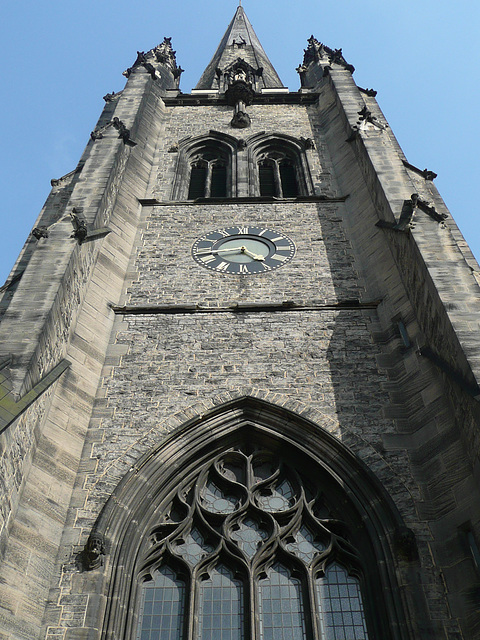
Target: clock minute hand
[(229, 250)]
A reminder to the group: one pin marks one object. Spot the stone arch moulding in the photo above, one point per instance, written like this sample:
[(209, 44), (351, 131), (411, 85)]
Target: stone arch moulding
[(136, 504), (264, 143), (222, 145)]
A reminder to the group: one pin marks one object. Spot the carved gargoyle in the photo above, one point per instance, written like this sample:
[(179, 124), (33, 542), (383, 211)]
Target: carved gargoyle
[(79, 227), (40, 232), (123, 132), (149, 68)]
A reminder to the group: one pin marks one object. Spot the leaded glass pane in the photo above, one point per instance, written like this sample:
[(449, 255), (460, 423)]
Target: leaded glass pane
[(162, 607), (280, 497), (281, 607), (220, 607), (215, 500), (340, 606), (193, 548), (305, 545), (249, 535)]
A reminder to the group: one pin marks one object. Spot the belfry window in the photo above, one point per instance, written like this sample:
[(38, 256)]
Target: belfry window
[(208, 178), (277, 176), (247, 548)]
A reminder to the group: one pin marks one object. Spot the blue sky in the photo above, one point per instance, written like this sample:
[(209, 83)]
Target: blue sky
[(60, 58)]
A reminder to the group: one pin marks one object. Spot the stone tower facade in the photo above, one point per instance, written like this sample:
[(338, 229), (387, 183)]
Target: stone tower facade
[(239, 357)]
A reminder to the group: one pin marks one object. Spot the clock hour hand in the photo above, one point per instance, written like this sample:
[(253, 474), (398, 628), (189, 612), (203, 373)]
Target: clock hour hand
[(254, 256)]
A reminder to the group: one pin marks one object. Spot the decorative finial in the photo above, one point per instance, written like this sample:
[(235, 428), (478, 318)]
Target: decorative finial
[(239, 3)]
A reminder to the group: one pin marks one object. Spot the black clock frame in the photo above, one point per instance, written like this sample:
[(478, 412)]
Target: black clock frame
[(281, 249)]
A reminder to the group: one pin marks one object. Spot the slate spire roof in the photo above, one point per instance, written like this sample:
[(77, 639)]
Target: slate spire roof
[(240, 41)]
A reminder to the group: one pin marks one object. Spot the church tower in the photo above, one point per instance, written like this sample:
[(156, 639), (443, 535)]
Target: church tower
[(239, 365)]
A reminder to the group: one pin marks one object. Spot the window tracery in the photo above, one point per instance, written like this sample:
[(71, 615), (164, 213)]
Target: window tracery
[(248, 547)]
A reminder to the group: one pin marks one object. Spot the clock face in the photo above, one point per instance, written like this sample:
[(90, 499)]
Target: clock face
[(243, 250)]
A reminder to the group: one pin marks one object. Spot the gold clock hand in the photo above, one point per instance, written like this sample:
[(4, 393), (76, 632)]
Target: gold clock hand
[(229, 250), (254, 256)]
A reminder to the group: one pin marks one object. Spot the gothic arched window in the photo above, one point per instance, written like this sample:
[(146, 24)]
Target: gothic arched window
[(208, 177), (206, 168), (277, 175), (279, 167), (249, 547)]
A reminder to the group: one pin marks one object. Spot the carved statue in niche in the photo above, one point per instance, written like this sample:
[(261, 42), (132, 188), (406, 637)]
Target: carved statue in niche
[(239, 80)]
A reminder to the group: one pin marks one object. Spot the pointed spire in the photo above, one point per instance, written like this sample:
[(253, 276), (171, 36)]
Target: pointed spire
[(240, 41)]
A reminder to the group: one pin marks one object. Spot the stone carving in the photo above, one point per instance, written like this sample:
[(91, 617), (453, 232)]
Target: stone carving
[(238, 80), (301, 70), (408, 212), (40, 232), (123, 132), (241, 144), (317, 50), (163, 54), (240, 120), (427, 208), (239, 91), (141, 58), (150, 69), (311, 53), (239, 44), (369, 92), (55, 182), (108, 97), (425, 173), (96, 135), (307, 143), (173, 148), (92, 555), (366, 116), (79, 227), (429, 175), (166, 56)]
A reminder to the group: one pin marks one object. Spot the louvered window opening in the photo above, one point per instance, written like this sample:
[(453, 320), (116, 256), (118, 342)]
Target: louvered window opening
[(277, 178), (208, 179), (247, 550)]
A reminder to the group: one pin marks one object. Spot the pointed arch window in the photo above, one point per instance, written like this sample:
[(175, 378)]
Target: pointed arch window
[(248, 548), (208, 177), (278, 175)]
